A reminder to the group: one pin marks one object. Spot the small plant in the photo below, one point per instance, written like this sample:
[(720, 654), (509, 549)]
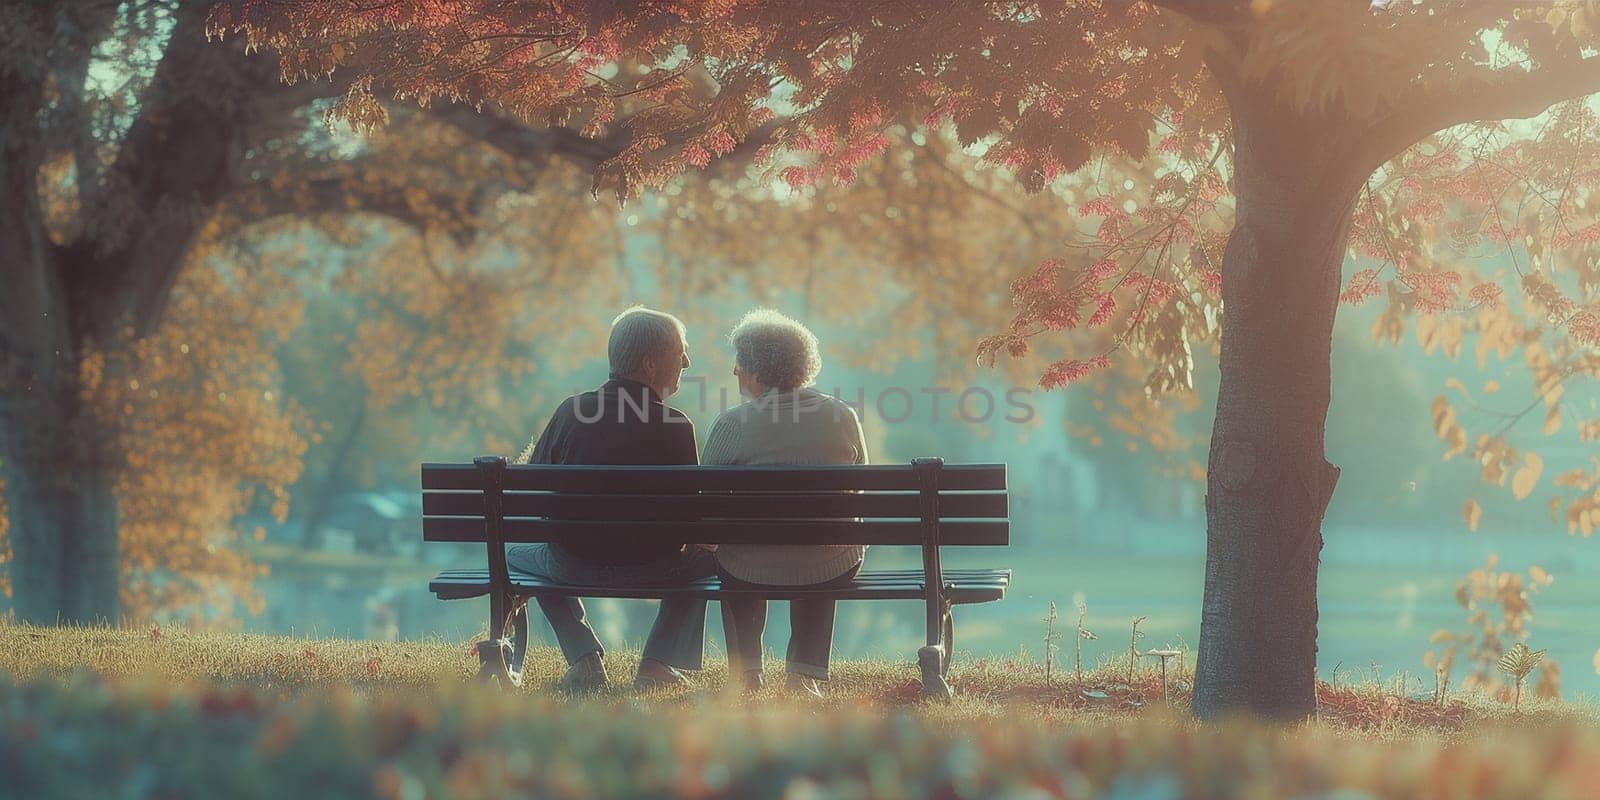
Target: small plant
[(1133, 647), (1050, 647), (1084, 634), (1519, 662), (1499, 607), (1441, 682)]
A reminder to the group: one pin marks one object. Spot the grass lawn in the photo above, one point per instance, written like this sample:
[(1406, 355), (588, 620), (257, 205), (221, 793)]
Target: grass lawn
[(169, 713)]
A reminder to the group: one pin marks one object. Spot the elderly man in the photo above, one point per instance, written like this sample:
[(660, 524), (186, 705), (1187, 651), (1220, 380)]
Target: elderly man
[(625, 421)]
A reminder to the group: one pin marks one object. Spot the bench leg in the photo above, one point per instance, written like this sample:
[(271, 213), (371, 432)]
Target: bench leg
[(501, 656), (934, 686), (949, 641), (934, 659)]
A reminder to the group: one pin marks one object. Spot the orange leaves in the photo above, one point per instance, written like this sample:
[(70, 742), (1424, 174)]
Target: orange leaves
[(1584, 328), (1431, 291), (203, 433), (1105, 306), (1362, 286), (1485, 294), (1066, 371), (1473, 514)]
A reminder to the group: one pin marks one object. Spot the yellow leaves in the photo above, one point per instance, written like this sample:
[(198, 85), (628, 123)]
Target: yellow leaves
[(1444, 416), (1583, 515), (1552, 420), (1495, 458), (1446, 428), (1390, 326), (359, 107), (1473, 514), (1540, 575), (1527, 477), (1589, 431), (1442, 334)]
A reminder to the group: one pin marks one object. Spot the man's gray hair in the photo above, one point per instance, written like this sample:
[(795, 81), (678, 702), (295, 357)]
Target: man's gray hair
[(775, 349), (638, 332)]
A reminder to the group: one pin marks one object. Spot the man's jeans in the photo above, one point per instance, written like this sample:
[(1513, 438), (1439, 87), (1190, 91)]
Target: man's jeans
[(678, 636)]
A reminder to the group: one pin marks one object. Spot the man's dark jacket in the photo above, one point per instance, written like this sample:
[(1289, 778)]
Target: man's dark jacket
[(623, 422)]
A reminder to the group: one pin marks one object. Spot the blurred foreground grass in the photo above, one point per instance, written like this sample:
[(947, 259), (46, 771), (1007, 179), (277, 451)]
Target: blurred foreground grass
[(155, 713)]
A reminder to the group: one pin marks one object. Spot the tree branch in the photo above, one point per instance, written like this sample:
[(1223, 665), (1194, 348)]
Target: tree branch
[(524, 143), (78, 29), (204, 107), (1487, 95), (537, 145)]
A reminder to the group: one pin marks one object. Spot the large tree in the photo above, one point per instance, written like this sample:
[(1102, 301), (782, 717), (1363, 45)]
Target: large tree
[(1284, 134), (137, 158)]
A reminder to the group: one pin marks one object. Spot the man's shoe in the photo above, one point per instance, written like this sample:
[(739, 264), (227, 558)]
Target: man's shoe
[(753, 682), (655, 675), (804, 686), (587, 674)]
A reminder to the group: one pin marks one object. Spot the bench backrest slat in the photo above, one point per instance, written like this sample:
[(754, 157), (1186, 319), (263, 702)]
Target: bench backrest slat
[(875, 532), (753, 505), (844, 504), (668, 479)]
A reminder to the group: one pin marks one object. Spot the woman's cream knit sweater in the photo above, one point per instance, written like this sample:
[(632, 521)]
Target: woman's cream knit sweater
[(803, 426)]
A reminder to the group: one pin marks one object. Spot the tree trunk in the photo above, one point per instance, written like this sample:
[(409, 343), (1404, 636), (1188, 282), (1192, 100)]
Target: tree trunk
[(1268, 482), (58, 486), (60, 494)]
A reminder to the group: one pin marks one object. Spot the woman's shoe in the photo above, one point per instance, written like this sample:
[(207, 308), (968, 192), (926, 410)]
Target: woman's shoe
[(655, 675), (753, 682), (805, 686), (586, 675)]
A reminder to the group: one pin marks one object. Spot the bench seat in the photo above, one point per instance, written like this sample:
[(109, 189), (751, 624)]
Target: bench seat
[(962, 586)]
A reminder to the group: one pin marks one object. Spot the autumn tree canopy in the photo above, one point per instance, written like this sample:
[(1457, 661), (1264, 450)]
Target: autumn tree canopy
[(159, 164), (1279, 137)]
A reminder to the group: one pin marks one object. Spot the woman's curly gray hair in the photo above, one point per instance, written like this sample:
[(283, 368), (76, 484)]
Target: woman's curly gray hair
[(775, 349)]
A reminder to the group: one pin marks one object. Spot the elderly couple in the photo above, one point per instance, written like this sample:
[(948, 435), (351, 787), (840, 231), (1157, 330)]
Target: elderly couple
[(627, 421)]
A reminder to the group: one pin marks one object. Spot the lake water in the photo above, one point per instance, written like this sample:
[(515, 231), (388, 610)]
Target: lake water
[(1381, 594)]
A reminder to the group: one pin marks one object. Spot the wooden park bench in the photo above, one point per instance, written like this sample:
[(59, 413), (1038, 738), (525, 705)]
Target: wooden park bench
[(926, 504)]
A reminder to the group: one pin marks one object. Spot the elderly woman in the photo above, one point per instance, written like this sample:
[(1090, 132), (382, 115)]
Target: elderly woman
[(785, 421)]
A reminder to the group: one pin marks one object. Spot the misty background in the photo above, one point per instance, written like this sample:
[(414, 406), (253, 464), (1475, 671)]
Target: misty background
[(1098, 515)]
